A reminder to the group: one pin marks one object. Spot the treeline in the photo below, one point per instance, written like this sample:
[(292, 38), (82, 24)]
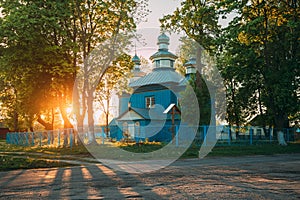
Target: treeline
[(46, 58), (258, 55), (44, 46)]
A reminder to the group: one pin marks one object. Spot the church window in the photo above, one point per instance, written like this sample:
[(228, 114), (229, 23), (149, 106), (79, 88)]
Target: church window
[(150, 101), (157, 63), (172, 63)]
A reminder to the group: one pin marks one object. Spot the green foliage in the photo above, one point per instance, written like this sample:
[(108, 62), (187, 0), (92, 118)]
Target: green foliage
[(196, 86), (198, 19), (114, 80), (257, 54), (43, 43), (116, 76), (33, 62), (197, 83), (186, 50), (259, 62)]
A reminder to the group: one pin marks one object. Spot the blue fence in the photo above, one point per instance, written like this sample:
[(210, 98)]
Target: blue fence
[(225, 135), (232, 135), (57, 138)]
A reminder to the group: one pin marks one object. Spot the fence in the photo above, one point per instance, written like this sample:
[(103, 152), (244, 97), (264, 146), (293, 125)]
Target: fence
[(225, 135), (232, 135), (51, 138), (55, 138)]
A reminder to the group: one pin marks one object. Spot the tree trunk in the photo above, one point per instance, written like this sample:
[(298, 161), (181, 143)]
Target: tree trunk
[(90, 106), (280, 123), (230, 133), (48, 126), (79, 116), (67, 126), (107, 115), (16, 121)]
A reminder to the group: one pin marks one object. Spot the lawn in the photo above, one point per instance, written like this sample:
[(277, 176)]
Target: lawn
[(39, 157), (259, 149), (11, 162), (235, 150), (22, 157), (51, 150)]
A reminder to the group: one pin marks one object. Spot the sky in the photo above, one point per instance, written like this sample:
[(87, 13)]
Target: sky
[(150, 29), (162, 7), (159, 8)]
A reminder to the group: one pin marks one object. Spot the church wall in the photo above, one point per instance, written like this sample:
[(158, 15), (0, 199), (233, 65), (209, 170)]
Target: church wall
[(123, 105), (162, 97)]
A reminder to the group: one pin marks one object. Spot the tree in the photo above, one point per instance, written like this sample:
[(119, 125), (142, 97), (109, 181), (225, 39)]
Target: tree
[(31, 56), (199, 21), (186, 51), (101, 27), (114, 81), (261, 54), (45, 43)]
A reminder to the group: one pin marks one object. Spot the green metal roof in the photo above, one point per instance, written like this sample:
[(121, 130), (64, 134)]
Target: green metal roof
[(161, 76), (191, 62), (163, 54)]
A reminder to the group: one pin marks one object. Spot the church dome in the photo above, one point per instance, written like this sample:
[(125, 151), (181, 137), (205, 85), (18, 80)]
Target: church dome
[(163, 38), (136, 59), (163, 58)]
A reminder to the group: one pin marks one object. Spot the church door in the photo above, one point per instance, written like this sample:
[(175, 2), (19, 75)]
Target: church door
[(131, 130)]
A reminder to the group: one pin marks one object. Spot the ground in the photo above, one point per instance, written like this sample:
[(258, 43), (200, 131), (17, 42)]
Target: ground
[(246, 177)]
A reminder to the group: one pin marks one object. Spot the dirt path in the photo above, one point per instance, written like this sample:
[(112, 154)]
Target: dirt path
[(249, 177)]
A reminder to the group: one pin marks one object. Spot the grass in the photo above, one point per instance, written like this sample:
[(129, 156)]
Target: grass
[(13, 160), (30, 157), (51, 150), (11, 163), (259, 149), (145, 147), (235, 150), (243, 150)]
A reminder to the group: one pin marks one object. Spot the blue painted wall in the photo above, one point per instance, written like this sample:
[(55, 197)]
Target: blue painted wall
[(153, 133), (123, 104), (162, 97)]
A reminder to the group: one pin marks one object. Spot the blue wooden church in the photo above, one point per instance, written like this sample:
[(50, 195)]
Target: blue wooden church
[(146, 113)]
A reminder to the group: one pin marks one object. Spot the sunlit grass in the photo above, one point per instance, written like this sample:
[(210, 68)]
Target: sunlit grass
[(10, 163), (142, 147), (145, 147), (51, 149)]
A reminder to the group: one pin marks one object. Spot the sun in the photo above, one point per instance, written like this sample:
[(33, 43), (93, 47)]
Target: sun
[(69, 110)]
